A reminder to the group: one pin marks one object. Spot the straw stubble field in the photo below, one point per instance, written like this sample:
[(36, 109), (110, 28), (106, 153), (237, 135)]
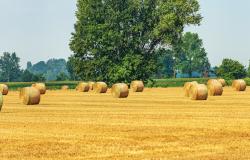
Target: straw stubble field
[(155, 124)]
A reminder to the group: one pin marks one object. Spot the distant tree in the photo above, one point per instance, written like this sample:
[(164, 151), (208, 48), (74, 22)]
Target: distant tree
[(116, 40), (166, 63), (29, 65), (49, 69), (38, 68), (231, 69), (248, 70), (27, 76), (193, 56), (62, 77), (9, 67), (55, 67), (39, 78)]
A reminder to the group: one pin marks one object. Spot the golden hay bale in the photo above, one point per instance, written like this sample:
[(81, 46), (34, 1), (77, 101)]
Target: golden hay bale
[(4, 89), (198, 92), (82, 87), (239, 85), (100, 87), (1, 101), (211, 81), (40, 86), (91, 85), (215, 88), (120, 90), (223, 82), (137, 86), (65, 87), (187, 87), (30, 95)]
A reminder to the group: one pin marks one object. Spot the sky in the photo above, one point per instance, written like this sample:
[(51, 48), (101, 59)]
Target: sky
[(41, 29)]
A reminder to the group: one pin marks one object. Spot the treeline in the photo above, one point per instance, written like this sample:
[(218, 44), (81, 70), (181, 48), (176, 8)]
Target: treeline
[(53, 69)]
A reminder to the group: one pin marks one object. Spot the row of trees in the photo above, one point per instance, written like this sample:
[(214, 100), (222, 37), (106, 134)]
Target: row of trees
[(10, 70)]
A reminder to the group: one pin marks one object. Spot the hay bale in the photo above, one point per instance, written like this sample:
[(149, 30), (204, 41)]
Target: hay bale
[(4, 89), (223, 82), (187, 87), (1, 101), (100, 87), (82, 87), (120, 90), (215, 88), (65, 87), (198, 92), (91, 85), (30, 96), (211, 81), (239, 85), (137, 86), (41, 87)]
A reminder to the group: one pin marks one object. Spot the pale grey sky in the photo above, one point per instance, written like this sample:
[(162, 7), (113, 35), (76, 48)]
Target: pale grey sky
[(40, 29)]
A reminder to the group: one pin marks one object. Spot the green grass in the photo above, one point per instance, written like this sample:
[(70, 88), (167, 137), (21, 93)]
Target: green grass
[(50, 85), (179, 82)]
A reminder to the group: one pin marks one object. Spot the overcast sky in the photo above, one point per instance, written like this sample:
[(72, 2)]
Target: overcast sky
[(40, 29)]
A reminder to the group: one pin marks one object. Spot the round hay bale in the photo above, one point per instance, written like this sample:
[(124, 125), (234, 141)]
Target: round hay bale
[(30, 96), (41, 87), (4, 89), (100, 87), (91, 85), (120, 90), (211, 81), (239, 85), (223, 82), (65, 87), (198, 92), (215, 88), (137, 86), (1, 101), (82, 87), (187, 87)]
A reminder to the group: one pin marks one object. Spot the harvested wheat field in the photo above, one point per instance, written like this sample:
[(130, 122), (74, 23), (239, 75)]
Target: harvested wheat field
[(155, 124)]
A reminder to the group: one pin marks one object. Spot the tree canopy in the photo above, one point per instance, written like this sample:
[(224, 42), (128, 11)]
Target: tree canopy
[(49, 69), (231, 69), (116, 40), (9, 67), (192, 56)]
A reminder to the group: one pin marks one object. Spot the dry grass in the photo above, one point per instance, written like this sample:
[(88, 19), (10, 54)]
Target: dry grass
[(155, 124)]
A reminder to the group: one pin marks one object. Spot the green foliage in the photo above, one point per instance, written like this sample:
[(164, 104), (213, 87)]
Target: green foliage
[(231, 69), (27, 76), (49, 85), (71, 68), (9, 67), (166, 64), (49, 69), (116, 40), (193, 56), (62, 77)]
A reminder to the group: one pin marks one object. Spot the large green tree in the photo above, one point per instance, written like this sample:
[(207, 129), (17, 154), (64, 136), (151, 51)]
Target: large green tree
[(231, 69), (116, 40), (193, 56), (9, 67)]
